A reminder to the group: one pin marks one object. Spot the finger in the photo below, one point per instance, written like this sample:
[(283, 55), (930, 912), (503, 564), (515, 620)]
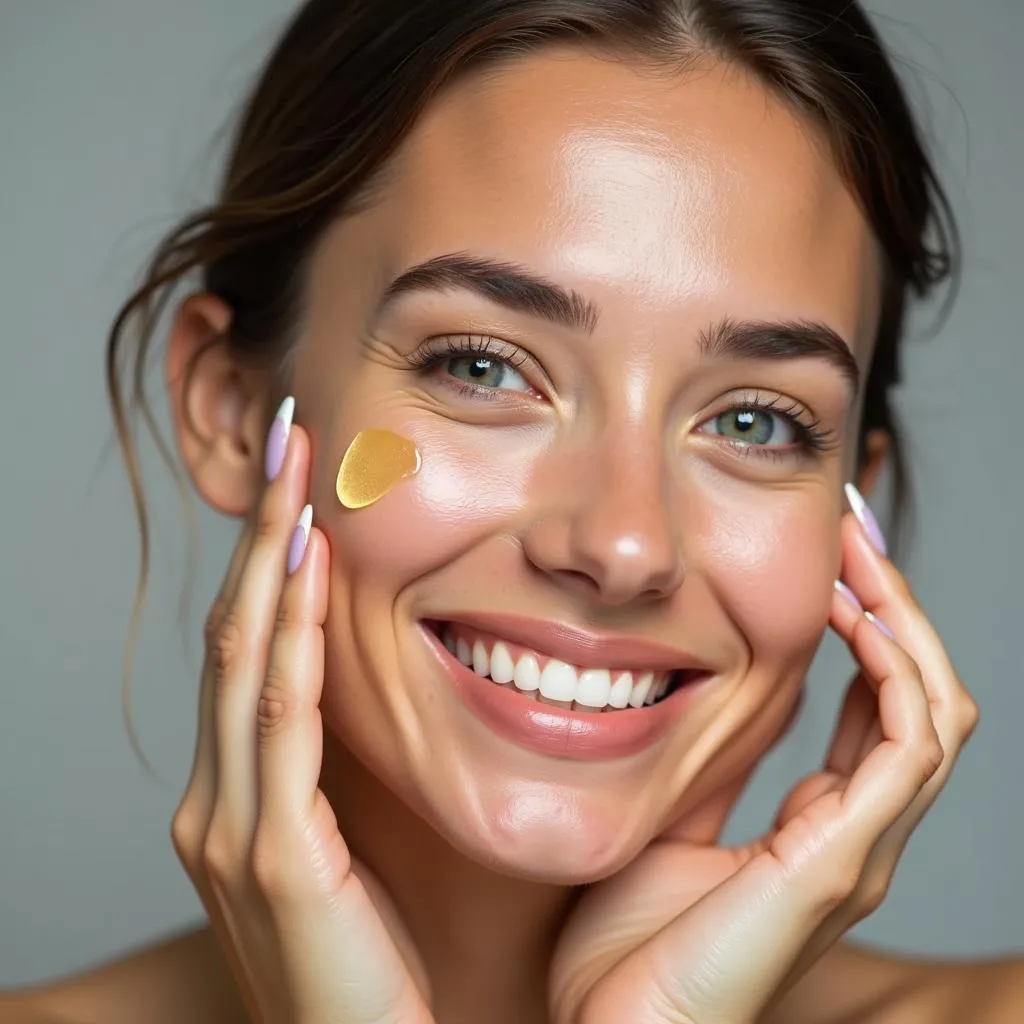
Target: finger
[(203, 780), (858, 716), (289, 726), (858, 719), (883, 590), (240, 649), (896, 770)]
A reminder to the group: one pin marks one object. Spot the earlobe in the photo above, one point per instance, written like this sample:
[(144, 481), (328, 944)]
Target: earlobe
[(218, 407), (876, 452)]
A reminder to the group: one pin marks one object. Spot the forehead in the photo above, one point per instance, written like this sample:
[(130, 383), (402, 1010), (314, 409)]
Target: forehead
[(651, 193)]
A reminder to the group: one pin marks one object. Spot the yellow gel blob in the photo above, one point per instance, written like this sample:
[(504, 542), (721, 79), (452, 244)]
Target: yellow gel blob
[(376, 461)]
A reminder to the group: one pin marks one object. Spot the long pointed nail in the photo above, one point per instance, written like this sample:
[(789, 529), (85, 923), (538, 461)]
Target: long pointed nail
[(300, 540), (849, 595), (277, 439), (880, 625), (866, 518)]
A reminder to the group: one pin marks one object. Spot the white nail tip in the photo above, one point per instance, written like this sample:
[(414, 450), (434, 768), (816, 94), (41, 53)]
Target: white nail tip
[(855, 500), (306, 520), (286, 412)]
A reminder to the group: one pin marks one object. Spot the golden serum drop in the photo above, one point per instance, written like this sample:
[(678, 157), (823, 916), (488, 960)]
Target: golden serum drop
[(375, 463)]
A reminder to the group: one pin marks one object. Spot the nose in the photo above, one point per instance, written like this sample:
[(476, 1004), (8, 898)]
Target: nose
[(607, 528)]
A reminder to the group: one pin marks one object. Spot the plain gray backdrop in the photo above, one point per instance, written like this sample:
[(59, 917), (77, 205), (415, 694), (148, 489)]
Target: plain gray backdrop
[(108, 115)]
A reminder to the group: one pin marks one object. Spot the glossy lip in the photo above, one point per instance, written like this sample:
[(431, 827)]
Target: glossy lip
[(577, 646), (554, 731)]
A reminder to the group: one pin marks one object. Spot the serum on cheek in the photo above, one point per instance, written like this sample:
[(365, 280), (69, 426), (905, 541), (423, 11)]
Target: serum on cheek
[(375, 463)]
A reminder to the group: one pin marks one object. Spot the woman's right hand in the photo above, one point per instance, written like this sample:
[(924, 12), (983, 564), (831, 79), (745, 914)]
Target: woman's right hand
[(255, 833)]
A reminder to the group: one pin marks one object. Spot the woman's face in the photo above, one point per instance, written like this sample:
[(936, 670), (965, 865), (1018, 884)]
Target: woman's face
[(630, 369)]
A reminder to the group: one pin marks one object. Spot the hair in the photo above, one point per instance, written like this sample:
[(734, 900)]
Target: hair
[(349, 78)]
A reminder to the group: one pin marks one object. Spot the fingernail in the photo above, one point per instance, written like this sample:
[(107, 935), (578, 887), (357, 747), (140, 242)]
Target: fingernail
[(866, 518), (880, 625), (849, 595), (277, 439), (300, 538)]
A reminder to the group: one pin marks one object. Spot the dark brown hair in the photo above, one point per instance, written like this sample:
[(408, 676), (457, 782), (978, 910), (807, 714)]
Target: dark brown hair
[(349, 78)]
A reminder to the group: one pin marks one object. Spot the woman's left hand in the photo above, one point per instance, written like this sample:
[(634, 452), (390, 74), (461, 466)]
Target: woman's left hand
[(695, 933)]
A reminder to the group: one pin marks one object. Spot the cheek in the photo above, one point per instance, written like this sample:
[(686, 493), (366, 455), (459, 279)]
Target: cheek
[(773, 562), (463, 493)]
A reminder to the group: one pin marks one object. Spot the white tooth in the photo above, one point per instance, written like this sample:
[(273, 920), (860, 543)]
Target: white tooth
[(641, 688), (593, 687), (449, 640), (620, 691), (463, 652), (662, 687), (503, 668), (527, 673), (481, 663), (558, 681)]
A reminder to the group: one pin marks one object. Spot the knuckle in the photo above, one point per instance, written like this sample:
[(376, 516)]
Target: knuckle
[(186, 836), (218, 861), (839, 888), (277, 704), (970, 715), (873, 895), (931, 757), (288, 617), (265, 528), (267, 867), (228, 647), (214, 617)]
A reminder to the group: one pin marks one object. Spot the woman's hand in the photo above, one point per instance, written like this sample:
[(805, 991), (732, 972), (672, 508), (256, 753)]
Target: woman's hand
[(693, 933), (256, 835)]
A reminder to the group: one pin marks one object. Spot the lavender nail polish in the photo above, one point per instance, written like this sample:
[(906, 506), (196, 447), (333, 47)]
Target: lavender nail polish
[(880, 625), (866, 518), (849, 595), (277, 439), (300, 539)]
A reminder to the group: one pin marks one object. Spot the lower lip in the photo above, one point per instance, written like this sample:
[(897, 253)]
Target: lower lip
[(575, 735)]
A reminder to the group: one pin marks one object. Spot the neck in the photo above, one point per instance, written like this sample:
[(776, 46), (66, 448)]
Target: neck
[(482, 939)]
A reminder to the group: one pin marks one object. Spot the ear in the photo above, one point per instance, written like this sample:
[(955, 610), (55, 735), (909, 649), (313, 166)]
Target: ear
[(876, 451), (218, 406)]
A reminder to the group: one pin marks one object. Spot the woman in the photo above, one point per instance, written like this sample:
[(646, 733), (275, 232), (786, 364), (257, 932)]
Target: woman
[(577, 318)]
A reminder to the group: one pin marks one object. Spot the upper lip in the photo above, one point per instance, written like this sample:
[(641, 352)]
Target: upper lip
[(578, 646)]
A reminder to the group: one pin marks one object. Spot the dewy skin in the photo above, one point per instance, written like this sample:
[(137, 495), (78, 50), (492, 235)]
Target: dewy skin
[(375, 463)]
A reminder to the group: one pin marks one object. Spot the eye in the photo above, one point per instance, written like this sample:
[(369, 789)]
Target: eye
[(488, 372), (755, 427)]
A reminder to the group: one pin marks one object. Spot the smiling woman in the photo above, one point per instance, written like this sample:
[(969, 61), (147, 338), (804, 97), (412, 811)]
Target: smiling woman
[(604, 299)]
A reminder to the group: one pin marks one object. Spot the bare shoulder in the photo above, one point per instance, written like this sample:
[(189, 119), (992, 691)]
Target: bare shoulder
[(857, 985), (184, 978)]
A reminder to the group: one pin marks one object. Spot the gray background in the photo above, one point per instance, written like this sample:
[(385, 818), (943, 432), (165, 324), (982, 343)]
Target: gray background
[(107, 112)]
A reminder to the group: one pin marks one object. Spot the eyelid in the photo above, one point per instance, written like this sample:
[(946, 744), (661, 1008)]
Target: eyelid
[(442, 346), (768, 400), (813, 439)]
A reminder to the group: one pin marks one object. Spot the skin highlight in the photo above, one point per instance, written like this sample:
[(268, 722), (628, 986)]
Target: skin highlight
[(594, 494)]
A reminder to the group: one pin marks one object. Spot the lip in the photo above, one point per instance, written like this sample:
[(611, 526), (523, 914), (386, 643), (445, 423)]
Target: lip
[(577, 646), (557, 732)]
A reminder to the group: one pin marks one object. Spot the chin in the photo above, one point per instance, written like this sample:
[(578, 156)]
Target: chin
[(544, 831)]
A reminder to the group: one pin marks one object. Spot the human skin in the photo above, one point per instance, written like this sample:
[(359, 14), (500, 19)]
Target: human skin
[(600, 499), (670, 206)]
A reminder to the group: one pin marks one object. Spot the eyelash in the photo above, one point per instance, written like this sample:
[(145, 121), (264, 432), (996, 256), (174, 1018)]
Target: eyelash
[(812, 439), (432, 357)]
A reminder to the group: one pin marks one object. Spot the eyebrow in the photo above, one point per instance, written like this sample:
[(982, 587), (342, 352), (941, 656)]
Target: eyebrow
[(770, 340), (523, 291), (504, 283)]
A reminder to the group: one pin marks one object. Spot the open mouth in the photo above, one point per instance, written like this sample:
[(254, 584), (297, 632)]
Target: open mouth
[(543, 678)]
